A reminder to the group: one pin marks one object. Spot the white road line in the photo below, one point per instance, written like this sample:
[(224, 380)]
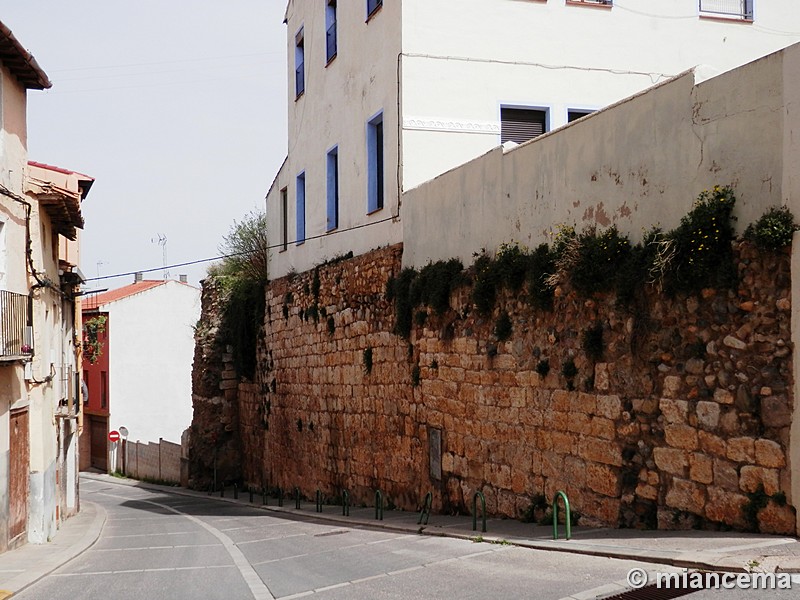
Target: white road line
[(156, 548), (257, 587), (270, 539), (753, 546), (135, 535), (159, 570)]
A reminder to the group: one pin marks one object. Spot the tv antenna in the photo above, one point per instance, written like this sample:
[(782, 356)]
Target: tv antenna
[(161, 240)]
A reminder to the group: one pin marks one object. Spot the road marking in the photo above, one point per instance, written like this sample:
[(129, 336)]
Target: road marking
[(753, 546), (257, 587), (157, 547), (134, 535), (270, 539), (155, 570)]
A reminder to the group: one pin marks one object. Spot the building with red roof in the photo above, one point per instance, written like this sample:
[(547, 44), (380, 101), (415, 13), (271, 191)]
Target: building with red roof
[(137, 364)]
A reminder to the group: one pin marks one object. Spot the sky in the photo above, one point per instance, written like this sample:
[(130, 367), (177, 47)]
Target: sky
[(177, 108)]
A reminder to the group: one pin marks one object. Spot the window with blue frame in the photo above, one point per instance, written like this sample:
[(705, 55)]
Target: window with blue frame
[(299, 64), (372, 6), (375, 163), (300, 213), (333, 189), (330, 30)]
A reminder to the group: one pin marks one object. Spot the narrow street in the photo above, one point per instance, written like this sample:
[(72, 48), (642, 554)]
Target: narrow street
[(159, 545)]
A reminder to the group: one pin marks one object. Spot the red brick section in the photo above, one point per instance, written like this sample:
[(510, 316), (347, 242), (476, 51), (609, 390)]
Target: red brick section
[(682, 424)]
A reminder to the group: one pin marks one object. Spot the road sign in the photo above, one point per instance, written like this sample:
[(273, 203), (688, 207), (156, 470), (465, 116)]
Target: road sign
[(123, 431), (113, 436)]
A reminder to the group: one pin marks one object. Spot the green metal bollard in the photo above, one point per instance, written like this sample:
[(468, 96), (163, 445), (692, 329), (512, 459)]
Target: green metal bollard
[(474, 511), (567, 518), (378, 505), (345, 503), (235, 491), (319, 501), (426, 509), (297, 498)]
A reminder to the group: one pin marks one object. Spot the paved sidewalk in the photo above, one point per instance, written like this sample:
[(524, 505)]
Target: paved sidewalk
[(26, 565), (690, 549)]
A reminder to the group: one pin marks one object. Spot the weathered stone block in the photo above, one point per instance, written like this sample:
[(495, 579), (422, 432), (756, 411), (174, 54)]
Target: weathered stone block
[(648, 492), (723, 396), (769, 454), (603, 479), (726, 475), (741, 449), (701, 468), (686, 495), (777, 520), (672, 386), (681, 436), (775, 411), (711, 444), (708, 414), (603, 428), (674, 411), (609, 407), (751, 478), (725, 507), (671, 460), (601, 451)]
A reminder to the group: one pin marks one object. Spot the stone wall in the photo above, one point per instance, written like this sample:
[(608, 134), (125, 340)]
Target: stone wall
[(683, 422)]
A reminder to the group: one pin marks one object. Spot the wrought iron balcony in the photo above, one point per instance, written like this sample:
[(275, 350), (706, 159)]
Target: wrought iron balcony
[(737, 9), (15, 342)]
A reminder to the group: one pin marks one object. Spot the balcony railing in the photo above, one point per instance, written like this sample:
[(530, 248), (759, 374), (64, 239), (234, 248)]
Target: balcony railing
[(330, 42), (14, 321), (737, 9)]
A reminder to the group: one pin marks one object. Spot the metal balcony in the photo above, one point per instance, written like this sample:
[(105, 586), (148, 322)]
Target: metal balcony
[(15, 320)]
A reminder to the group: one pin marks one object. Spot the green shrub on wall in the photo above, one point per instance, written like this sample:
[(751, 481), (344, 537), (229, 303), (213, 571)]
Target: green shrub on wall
[(697, 254), (774, 230)]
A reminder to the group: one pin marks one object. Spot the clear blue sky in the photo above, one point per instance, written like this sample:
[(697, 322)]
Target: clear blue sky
[(176, 107)]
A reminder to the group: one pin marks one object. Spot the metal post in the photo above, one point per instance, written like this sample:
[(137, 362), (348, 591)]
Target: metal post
[(280, 497), (319, 501), (378, 505), (345, 503), (567, 519), (426, 508), (235, 491), (297, 498), (474, 512), (250, 489), (264, 495)]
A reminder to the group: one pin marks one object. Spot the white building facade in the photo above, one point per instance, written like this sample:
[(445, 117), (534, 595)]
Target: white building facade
[(150, 349), (385, 96)]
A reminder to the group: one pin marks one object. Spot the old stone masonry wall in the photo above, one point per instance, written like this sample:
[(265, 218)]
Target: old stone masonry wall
[(682, 422)]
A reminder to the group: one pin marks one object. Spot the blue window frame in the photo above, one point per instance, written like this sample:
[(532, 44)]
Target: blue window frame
[(300, 215), (372, 6), (299, 64), (333, 189), (375, 163), (330, 30)]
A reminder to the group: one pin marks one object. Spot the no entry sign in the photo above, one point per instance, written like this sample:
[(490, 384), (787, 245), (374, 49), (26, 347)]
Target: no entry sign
[(113, 436)]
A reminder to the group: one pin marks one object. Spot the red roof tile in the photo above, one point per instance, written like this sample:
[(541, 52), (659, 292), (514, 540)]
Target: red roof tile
[(94, 301)]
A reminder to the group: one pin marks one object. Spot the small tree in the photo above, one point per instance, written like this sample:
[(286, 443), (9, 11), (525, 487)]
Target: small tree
[(243, 274)]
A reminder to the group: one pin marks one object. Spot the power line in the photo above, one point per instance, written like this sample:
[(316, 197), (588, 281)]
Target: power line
[(223, 256)]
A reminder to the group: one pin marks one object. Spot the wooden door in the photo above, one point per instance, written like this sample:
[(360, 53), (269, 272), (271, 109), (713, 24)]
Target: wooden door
[(99, 442), (19, 472)]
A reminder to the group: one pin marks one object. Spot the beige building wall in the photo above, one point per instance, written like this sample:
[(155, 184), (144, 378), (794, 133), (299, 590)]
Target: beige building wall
[(340, 98)]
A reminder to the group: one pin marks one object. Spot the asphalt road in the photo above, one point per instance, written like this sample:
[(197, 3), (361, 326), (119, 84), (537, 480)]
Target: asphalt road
[(159, 545)]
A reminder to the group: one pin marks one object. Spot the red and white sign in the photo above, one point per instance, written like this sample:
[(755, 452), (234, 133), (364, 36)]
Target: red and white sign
[(113, 436)]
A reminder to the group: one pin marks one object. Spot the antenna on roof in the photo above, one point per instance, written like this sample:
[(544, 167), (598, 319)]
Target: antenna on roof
[(161, 240)]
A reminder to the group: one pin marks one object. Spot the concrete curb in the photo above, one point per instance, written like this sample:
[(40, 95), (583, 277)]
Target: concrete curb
[(46, 558), (675, 558)]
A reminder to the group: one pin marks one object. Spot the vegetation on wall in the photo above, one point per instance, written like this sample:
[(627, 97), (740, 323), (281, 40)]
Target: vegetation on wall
[(92, 329), (243, 274), (774, 230)]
